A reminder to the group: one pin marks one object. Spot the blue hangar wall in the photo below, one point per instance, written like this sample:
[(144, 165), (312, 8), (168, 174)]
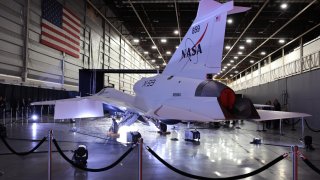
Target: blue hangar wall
[(300, 93)]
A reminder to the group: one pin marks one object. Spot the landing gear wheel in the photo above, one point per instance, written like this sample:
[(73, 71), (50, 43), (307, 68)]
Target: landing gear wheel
[(163, 127)]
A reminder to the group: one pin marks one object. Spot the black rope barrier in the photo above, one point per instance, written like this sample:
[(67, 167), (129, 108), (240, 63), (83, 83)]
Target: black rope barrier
[(311, 129), (224, 178), (91, 169), (308, 163), (23, 153)]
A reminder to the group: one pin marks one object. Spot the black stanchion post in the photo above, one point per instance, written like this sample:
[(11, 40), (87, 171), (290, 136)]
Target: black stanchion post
[(27, 114), (49, 153), (22, 114), (302, 127), (16, 114), (11, 116), (140, 157), (41, 113), (4, 116), (295, 152)]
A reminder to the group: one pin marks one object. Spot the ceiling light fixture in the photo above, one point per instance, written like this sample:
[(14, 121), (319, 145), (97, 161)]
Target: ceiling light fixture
[(153, 47), (153, 60), (249, 41), (176, 32), (232, 61), (136, 40), (251, 61), (241, 47), (281, 41), (284, 6), (145, 52), (236, 57), (240, 52), (177, 47), (168, 52), (229, 21), (263, 53), (163, 40), (227, 47)]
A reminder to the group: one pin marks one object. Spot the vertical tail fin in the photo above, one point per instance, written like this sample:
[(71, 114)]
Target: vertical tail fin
[(200, 51)]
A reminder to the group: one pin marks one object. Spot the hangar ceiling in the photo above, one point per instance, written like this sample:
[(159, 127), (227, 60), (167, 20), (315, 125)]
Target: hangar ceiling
[(266, 27)]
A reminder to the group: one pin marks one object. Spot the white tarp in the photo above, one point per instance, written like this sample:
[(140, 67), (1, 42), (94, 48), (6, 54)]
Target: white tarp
[(82, 108)]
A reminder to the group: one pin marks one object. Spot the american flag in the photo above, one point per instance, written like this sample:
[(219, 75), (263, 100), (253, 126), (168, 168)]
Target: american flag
[(60, 28)]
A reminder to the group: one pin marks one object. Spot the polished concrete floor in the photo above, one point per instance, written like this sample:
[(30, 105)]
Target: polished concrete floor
[(222, 152)]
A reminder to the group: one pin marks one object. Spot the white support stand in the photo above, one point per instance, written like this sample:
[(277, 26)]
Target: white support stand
[(295, 151), (49, 153), (302, 128), (140, 157), (280, 127)]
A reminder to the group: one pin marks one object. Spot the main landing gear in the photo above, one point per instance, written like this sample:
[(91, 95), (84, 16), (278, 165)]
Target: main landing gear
[(163, 128)]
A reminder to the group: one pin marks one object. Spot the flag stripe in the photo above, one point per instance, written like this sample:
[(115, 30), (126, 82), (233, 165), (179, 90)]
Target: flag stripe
[(72, 14), (55, 38), (58, 46), (48, 28), (66, 22), (70, 32), (71, 17)]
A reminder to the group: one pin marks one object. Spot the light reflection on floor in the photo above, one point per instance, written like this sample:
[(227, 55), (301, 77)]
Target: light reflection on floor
[(221, 152)]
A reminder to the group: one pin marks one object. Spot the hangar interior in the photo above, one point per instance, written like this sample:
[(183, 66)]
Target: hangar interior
[(270, 52)]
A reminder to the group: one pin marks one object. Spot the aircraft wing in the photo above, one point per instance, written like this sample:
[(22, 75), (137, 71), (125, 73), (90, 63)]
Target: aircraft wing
[(91, 106), (266, 115)]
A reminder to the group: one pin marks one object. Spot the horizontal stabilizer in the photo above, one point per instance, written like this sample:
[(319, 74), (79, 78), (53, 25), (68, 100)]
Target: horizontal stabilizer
[(273, 115)]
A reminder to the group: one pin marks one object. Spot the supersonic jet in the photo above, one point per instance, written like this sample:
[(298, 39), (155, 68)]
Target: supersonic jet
[(183, 92)]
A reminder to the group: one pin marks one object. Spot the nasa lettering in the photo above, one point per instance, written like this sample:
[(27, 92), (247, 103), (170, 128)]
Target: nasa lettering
[(149, 83)]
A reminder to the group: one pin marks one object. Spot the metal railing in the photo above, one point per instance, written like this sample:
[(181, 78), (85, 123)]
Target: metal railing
[(307, 63)]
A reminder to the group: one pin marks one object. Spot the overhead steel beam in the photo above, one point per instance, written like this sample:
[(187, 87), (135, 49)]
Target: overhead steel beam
[(124, 71), (196, 1), (245, 30), (229, 37), (135, 11), (176, 8), (272, 35)]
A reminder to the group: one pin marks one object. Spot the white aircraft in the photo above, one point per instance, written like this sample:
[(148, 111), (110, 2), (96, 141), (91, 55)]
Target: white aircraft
[(184, 92)]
